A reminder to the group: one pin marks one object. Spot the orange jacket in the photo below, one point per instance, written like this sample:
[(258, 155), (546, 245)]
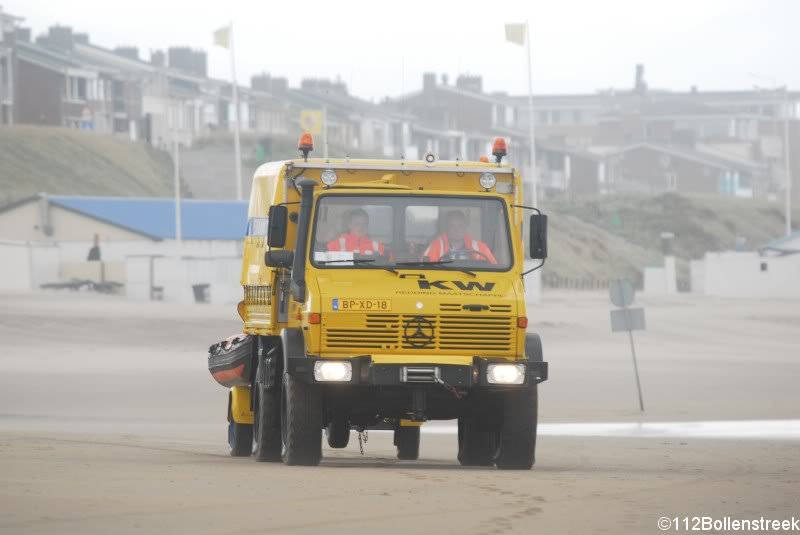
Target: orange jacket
[(356, 244), (440, 246)]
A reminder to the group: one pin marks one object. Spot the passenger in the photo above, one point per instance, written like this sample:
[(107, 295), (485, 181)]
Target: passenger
[(456, 243), (356, 239)]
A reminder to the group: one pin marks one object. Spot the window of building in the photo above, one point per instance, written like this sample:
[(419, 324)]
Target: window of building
[(672, 182), (544, 117)]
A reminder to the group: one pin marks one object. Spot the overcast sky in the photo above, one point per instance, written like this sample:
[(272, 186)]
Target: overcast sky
[(382, 48)]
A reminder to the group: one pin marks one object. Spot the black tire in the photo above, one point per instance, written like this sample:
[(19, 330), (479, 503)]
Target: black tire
[(301, 422), (407, 441), (517, 447), (338, 433), (240, 439), (475, 447), (267, 424)]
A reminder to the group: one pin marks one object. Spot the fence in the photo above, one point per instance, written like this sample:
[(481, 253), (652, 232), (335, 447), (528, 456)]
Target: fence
[(556, 282)]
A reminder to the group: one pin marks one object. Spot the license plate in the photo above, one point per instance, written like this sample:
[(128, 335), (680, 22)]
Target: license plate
[(376, 305)]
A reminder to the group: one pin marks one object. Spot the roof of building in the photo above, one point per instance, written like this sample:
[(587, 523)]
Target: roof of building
[(45, 58), (714, 160), (155, 217)]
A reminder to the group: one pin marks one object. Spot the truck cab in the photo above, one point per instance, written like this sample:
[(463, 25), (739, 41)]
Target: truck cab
[(385, 294)]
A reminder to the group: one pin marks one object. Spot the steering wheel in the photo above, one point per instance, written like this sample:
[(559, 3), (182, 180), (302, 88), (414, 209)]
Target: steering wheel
[(465, 254)]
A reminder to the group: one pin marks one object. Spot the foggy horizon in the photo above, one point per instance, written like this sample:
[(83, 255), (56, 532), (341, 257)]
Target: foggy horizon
[(712, 46)]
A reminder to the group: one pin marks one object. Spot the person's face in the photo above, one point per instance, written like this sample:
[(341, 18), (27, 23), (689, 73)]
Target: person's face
[(358, 225), (456, 228)]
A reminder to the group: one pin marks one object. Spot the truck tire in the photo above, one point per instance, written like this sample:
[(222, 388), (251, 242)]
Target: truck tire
[(407, 441), (338, 433), (267, 424), (475, 447), (301, 422), (240, 439), (517, 445)]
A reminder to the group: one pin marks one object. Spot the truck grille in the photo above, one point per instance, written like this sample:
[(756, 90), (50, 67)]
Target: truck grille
[(458, 307), (451, 334)]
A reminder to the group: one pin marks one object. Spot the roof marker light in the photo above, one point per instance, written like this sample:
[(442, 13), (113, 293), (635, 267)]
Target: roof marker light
[(306, 144), (499, 149)]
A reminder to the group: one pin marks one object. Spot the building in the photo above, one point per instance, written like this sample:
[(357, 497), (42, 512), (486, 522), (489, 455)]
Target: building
[(645, 168), (46, 239), (8, 36), (354, 125), (459, 121)]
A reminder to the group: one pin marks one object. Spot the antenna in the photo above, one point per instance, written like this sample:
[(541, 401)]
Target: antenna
[(402, 108)]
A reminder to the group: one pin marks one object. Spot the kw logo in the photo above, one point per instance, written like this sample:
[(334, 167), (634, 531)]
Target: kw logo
[(457, 285)]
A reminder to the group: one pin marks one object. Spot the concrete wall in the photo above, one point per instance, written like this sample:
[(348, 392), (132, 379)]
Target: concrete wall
[(120, 250), (174, 280), (15, 270), (25, 266), (732, 274), (697, 276)]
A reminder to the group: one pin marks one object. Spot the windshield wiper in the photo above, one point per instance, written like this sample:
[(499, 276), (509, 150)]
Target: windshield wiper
[(419, 263), (353, 260), (359, 261)]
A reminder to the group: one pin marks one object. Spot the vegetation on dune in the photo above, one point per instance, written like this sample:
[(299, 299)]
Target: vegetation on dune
[(63, 161)]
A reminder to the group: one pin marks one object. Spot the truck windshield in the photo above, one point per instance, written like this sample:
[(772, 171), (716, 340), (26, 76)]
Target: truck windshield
[(411, 231)]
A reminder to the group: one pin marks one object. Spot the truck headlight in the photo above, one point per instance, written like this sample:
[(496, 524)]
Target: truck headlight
[(505, 374), (487, 180), (329, 177), (332, 371)]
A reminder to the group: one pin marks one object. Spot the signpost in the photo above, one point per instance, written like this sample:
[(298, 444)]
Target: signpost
[(621, 292)]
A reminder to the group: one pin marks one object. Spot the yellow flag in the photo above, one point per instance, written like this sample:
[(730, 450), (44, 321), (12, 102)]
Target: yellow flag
[(222, 37), (311, 121), (515, 33)]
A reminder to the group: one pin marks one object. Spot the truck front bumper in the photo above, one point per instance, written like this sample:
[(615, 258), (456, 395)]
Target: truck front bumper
[(367, 373)]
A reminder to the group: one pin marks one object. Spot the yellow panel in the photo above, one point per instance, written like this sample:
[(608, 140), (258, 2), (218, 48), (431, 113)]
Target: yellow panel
[(410, 423), (240, 405)]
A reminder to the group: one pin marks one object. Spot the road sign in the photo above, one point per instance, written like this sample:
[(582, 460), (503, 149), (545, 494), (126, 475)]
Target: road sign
[(627, 319), (311, 121), (621, 292)]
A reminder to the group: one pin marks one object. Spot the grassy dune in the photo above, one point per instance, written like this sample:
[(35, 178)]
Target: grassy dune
[(63, 161)]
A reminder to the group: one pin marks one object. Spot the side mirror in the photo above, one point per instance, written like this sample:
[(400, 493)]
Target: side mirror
[(279, 259), (276, 230), (538, 237)]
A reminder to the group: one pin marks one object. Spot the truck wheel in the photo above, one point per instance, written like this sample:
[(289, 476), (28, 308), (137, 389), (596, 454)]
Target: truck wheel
[(407, 441), (240, 439), (301, 422), (475, 447), (517, 446), (338, 432), (267, 424)]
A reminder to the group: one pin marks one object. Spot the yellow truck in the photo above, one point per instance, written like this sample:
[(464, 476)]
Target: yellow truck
[(382, 294)]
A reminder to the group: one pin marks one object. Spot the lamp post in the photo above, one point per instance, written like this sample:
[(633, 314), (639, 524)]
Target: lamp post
[(787, 164)]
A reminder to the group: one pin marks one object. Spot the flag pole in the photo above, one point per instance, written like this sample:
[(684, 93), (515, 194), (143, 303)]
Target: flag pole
[(531, 137), (533, 287), (237, 148), (177, 179)]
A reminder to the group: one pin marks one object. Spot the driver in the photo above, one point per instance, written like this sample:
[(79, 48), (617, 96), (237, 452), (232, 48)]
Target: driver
[(356, 239), (456, 243)]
